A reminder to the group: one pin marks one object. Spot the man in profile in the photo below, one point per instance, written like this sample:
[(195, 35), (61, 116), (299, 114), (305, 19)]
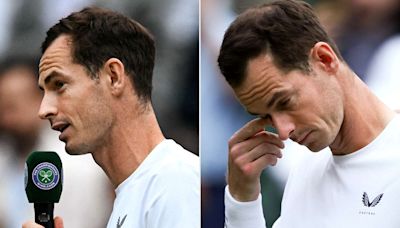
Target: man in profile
[(96, 73), (23, 132)]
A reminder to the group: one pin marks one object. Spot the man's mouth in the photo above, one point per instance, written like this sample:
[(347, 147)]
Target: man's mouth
[(303, 139), (60, 126), (300, 140)]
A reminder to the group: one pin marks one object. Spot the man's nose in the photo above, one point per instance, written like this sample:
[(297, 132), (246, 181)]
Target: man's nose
[(283, 124), (48, 107)]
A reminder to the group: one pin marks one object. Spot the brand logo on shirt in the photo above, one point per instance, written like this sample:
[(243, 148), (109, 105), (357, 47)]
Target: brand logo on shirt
[(119, 225), (374, 202)]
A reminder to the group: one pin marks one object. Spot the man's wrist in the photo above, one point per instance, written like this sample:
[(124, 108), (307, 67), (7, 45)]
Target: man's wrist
[(239, 200), (247, 195), (237, 212)]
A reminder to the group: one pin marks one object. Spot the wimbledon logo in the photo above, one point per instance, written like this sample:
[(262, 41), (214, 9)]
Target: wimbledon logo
[(45, 176)]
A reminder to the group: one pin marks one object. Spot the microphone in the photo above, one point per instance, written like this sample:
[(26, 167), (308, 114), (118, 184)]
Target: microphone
[(43, 184)]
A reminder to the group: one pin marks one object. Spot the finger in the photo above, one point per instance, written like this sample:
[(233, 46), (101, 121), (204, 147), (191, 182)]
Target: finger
[(58, 222), (263, 162), (264, 149), (241, 148), (271, 138), (31, 224), (249, 130), (257, 152), (252, 170)]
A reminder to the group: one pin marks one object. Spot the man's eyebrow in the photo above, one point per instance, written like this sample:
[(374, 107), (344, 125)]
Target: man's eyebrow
[(48, 79), (275, 97)]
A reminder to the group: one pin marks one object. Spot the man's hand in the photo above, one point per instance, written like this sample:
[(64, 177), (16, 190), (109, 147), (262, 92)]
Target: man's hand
[(251, 149), (58, 223)]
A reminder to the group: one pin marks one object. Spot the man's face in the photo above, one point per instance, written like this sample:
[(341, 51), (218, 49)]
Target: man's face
[(75, 104), (306, 108)]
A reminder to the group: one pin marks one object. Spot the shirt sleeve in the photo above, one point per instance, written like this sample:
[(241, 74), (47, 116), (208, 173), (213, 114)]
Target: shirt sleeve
[(243, 214)]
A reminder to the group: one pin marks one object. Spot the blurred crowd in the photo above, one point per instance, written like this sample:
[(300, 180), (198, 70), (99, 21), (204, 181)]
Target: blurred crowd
[(367, 33), (87, 196)]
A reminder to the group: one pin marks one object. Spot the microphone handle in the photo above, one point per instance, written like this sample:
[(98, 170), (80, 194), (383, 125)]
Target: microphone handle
[(44, 214)]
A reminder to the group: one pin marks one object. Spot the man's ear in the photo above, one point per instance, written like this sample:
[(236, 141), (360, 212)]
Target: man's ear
[(323, 55), (116, 78)]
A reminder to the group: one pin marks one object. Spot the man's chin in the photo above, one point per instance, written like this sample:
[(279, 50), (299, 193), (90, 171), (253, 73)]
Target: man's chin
[(316, 148), (71, 150)]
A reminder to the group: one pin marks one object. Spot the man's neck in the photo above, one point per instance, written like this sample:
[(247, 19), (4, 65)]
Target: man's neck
[(365, 116), (130, 142)]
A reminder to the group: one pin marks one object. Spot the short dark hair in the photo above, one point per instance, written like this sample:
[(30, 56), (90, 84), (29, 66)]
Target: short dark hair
[(100, 34), (286, 29)]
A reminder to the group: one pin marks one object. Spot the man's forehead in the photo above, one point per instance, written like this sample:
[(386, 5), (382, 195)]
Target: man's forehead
[(264, 83), (58, 52), (61, 43), (260, 74)]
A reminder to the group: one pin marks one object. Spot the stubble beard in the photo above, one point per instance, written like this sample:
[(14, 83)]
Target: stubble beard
[(80, 149)]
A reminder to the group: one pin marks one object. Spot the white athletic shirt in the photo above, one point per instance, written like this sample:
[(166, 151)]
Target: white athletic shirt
[(361, 189), (163, 192)]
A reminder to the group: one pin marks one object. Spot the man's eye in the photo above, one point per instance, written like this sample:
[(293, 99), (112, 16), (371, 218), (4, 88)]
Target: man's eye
[(59, 84), (284, 103)]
